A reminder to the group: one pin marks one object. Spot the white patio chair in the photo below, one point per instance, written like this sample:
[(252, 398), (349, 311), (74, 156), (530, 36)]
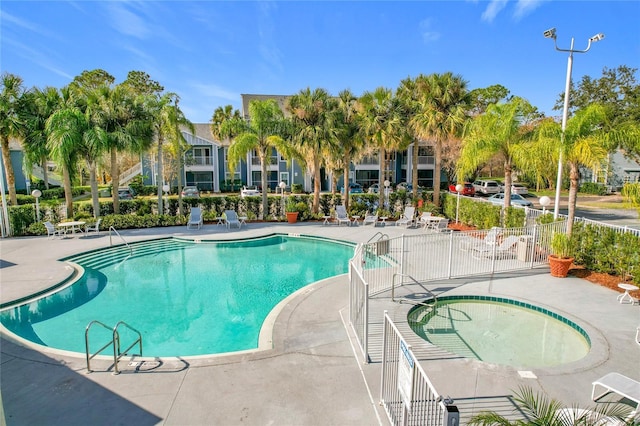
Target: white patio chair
[(195, 218), (407, 217), (423, 220), (231, 219), (370, 218), (93, 228), (52, 231), (342, 216), (490, 239), (502, 250)]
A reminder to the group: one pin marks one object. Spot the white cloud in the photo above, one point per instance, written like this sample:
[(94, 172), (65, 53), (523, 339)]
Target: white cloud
[(428, 35), (214, 91), (492, 10), (127, 22), (525, 7), (6, 18), (37, 57)]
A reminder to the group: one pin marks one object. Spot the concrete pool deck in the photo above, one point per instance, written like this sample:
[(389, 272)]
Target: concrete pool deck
[(312, 375)]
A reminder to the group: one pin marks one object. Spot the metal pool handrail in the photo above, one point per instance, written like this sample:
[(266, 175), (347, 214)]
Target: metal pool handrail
[(393, 286), (111, 228)]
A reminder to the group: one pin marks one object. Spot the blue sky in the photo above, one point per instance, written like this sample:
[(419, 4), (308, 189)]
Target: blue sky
[(209, 52)]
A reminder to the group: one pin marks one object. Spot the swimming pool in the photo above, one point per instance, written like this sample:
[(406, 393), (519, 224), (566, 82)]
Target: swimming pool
[(500, 331), (185, 297)]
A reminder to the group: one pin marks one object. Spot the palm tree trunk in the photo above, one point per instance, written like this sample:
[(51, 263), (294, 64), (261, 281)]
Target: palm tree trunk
[(115, 181), (507, 184), (94, 189), (45, 172), (68, 194), (263, 179), (381, 187), (436, 172), (414, 168), (316, 184), (160, 178), (574, 177), (345, 184), (8, 167)]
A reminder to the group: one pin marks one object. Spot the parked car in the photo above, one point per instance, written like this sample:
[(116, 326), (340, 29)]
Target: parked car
[(516, 200), (126, 193), (249, 191), (467, 189), (374, 189), (487, 187), (354, 188), (404, 186), (518, 188), (190, 192)]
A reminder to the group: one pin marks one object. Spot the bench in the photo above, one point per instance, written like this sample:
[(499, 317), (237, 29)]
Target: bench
[(622, 385)]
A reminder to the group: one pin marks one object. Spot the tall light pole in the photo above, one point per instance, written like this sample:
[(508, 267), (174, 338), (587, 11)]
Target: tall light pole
[(565, 111)]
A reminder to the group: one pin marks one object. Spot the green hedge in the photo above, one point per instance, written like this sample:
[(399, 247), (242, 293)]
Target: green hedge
[(593, 188), (607, 250)]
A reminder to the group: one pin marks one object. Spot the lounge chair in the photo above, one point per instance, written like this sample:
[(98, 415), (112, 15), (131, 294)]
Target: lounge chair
[(502, 250), (622, 385), (638, 335), (490, 239), (93, 228), (52, 231), (231, 219), (342, 216), (370, 218), (407, 217), (195, 218)]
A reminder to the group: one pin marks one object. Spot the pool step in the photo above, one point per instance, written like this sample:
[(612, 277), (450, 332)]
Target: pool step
[(103, 258)]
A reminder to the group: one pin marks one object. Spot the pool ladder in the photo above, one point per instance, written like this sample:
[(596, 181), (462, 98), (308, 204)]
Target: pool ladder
[(115, 341)]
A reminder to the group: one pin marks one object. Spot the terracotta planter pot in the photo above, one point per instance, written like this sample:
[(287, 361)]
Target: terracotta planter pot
[(292, 217), (559, 267)]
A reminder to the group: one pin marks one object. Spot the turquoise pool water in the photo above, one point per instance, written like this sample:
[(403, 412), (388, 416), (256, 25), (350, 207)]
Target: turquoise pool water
[(186, 298), (501, 331)]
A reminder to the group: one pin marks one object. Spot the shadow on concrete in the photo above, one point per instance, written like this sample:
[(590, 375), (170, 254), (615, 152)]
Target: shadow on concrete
[(38, 390)]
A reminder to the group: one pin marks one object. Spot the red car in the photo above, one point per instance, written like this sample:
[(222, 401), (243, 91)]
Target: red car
[(467, 189)]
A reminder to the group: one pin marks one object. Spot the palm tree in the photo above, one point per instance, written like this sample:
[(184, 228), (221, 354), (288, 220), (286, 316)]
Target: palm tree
[(221, 115), (127, 124), (11, 125), (587, 141), (263, 133), (408, 94), (540, 410), (65, 129), (311, 116), (383, 124), (348, 140), (167, 119), (39, 105), (500, 131), (443, 102)]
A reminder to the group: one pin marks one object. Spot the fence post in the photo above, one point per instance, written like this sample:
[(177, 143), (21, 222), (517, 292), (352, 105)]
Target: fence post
[(366, 323), (384, 356), (450, 254), (534, 242)]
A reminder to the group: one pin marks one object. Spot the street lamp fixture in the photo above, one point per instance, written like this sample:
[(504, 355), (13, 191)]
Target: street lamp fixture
[(459, 188), (386, 193), (544, 202), (36, 193), (551, 33)]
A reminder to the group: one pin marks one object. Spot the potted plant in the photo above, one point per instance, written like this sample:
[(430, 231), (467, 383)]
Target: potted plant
[(562, 254), (295, 209)]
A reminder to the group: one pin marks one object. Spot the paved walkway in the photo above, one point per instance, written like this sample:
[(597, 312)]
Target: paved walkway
[(311, 376)]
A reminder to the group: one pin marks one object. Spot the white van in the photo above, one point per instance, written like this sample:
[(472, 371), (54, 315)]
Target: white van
[(487, 187)]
